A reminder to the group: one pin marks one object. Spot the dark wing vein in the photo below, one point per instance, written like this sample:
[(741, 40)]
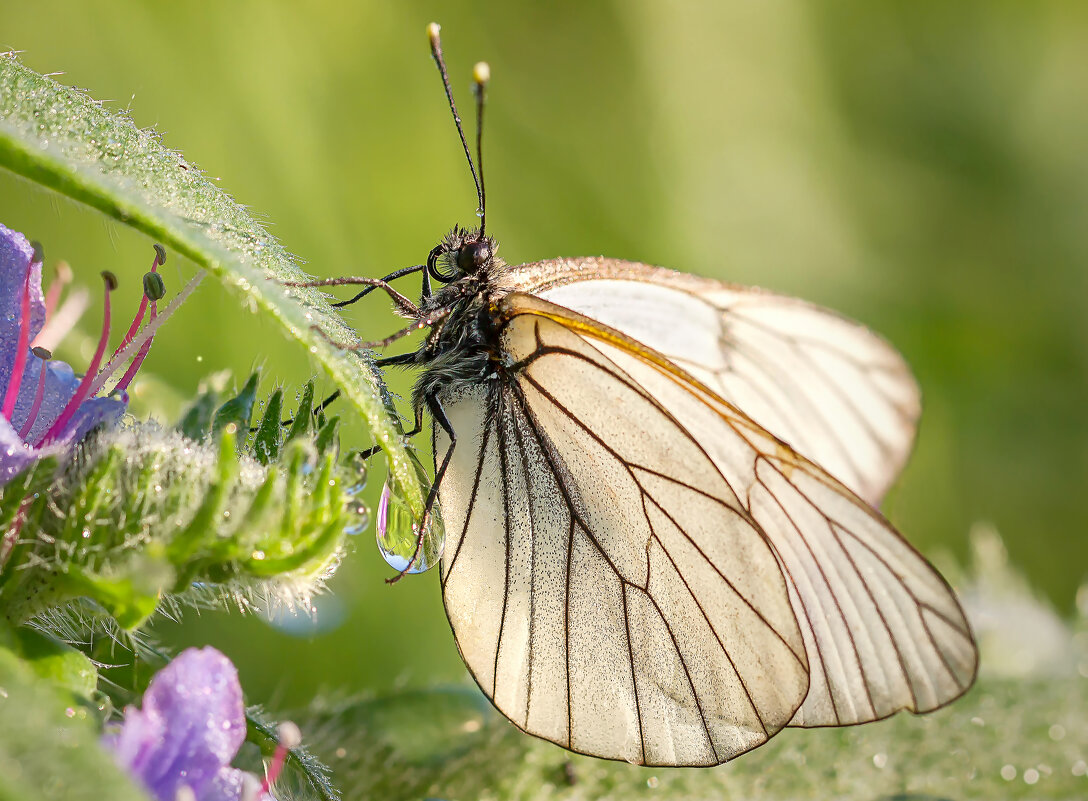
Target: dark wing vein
[(532, 567), (631, 471), (506, 540)]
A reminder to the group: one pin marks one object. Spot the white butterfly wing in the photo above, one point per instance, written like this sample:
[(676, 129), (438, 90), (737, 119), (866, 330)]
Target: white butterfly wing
[(610, 543), (605, 587), (832, 389)]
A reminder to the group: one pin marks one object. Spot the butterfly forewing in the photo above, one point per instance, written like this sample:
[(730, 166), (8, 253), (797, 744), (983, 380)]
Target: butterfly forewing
[(638, 612), (829, 387)]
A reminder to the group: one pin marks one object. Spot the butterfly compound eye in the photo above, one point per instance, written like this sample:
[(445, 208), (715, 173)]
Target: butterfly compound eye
[(473, 255)]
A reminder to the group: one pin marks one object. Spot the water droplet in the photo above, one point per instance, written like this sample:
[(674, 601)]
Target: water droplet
[(362, 515), (398, 533)]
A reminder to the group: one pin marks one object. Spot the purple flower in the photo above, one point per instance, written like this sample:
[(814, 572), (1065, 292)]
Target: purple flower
[(190, 728), (44, 407)]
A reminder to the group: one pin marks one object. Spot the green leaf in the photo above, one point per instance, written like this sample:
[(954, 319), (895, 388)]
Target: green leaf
[(56, 662), (62, 139), (49, 749)]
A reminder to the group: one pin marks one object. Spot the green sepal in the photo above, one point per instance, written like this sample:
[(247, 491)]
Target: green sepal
[(269, 434), (301, 424), (237, 410), (201, 527), (326, 436), (30, 482), (197, 420), (129, 591)]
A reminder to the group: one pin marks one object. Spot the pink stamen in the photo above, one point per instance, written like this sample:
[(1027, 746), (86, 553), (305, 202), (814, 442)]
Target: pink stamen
[(81, 392), (63, 276), (148, 331), (133, 368), (21, 348), (132, 329), (289, 737), (32, 415)]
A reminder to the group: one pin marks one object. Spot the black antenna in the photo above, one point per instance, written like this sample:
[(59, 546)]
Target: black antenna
[(436, 51), (481, 74)]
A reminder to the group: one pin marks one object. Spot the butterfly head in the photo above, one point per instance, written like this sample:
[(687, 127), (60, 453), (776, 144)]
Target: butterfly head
[(462, 253)]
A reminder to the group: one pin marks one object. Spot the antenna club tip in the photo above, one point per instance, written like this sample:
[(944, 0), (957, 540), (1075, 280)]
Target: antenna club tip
[(481, 73), (433, 29)]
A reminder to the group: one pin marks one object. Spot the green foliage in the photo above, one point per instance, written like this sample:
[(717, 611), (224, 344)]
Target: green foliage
[(146, 513), (65, 669), (57, 662), (48, 746), (63, 140), (450, 744)]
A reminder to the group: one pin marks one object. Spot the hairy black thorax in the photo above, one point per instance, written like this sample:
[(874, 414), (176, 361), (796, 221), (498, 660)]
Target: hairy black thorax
[(461, 348)]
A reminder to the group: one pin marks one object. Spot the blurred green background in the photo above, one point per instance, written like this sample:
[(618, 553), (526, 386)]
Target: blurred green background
[(921, 167)]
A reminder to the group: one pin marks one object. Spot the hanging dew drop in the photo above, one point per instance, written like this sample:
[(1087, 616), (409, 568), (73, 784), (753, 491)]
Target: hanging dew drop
[(398, 532)]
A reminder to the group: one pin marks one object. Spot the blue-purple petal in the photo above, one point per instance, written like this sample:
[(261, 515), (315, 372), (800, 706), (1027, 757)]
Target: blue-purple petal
[(190, 727), (90, 414), (15, 455), (226, 785), (60, 383), (16, 256)]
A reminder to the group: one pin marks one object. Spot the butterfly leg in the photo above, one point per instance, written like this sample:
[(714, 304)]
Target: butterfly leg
[(419, 324), (403, 304), (393, 276), (400, 360), (434, 406)]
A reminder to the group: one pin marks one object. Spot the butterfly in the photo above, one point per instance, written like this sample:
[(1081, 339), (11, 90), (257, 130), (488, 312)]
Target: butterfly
[(659, 501)]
